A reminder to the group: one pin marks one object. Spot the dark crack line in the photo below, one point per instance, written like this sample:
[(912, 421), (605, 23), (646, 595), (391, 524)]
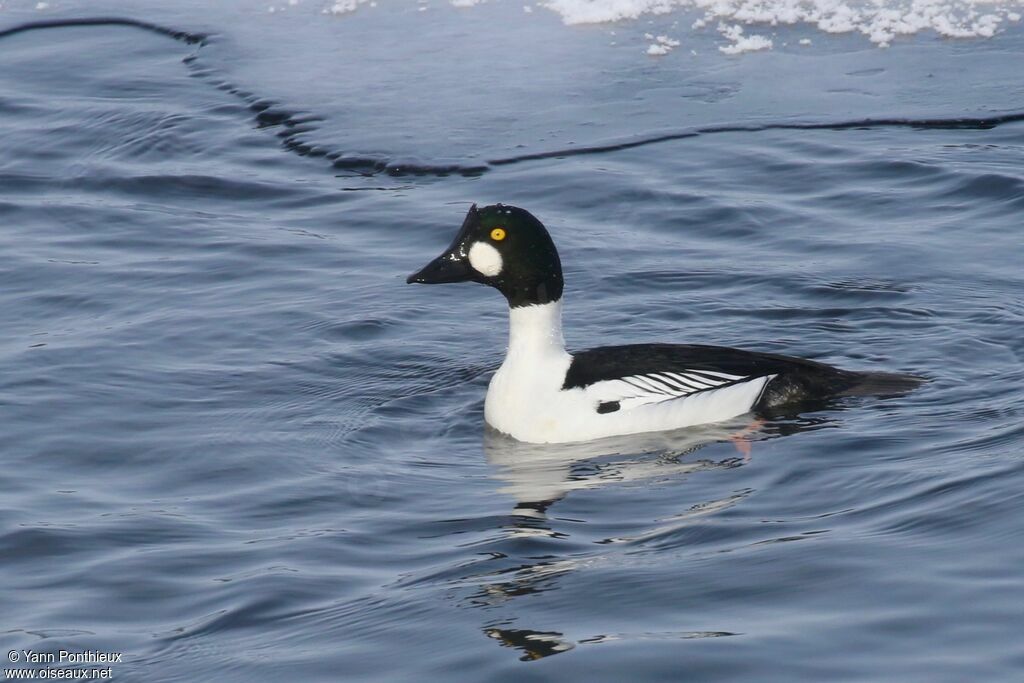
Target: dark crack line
[(292, 125), (953, 123), (199, 39)]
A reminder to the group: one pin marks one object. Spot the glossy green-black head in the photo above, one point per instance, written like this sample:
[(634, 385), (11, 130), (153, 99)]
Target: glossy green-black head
[(504, 247)]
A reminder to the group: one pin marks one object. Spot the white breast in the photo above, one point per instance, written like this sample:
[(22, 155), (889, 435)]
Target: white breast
[(525, 398), (529, 382)]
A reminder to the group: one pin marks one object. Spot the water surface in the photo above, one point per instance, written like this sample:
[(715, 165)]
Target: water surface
[(236, 444)]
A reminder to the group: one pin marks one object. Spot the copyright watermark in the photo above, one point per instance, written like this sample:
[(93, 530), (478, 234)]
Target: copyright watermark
[(62, 665)]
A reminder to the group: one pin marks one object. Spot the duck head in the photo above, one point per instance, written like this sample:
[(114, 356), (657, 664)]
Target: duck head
[(504, 247)]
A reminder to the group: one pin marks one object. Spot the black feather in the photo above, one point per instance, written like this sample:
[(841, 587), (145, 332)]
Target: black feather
[(797, 379)]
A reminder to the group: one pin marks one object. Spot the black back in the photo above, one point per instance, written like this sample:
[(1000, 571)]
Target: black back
[(797, 379)]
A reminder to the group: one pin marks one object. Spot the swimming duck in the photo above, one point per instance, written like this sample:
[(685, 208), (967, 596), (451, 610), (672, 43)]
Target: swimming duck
[(544, 394)]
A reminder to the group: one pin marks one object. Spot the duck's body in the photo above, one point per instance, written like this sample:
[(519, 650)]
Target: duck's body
[(543, 394)]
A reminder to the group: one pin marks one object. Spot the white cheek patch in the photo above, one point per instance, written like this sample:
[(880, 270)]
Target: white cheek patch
[(485, 259)]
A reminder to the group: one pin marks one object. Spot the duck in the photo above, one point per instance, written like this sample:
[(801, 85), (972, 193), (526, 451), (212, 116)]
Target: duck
[(542, 393)]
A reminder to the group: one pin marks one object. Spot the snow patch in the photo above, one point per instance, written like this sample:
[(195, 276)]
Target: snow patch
[(343, 6), (739, 43), (662, 45), (881, 21)]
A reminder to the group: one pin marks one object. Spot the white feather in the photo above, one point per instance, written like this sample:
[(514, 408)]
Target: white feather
[(526, 401), (485, 259)]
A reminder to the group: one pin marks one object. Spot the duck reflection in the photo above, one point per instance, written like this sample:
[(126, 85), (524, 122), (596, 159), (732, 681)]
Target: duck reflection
[(533, 644), (539, 644), (537, 476)]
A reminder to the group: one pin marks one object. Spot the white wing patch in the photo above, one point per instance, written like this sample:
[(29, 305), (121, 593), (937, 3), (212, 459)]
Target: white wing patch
[(640, 390)]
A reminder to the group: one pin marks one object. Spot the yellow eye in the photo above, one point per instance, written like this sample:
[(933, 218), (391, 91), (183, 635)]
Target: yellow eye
[(498, 234)]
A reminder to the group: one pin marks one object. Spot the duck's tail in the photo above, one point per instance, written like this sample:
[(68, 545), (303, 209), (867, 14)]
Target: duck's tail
[(882, 384)]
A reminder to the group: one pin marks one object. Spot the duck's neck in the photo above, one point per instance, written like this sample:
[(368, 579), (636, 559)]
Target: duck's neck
[(536, 329)]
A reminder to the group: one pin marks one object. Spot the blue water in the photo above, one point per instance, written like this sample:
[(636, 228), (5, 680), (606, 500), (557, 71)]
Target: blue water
[(237, 446)]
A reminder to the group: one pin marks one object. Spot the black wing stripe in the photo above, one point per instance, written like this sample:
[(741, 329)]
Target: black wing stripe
[(723, 385), (647, 382), (692, 382), (677, 383), (660, 379), (717, 376), (673, 382), (702, 382), (637, 384), (705, 382)]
